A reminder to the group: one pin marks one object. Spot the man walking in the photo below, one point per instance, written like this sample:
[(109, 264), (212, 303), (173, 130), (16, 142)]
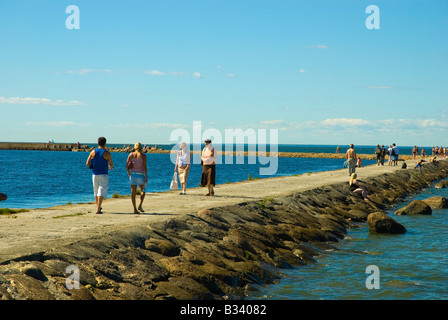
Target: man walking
[(395, 148), (100, 161), (351, 159)]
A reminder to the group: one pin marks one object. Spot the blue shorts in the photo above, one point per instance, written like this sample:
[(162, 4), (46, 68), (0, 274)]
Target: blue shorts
[(138, 179)]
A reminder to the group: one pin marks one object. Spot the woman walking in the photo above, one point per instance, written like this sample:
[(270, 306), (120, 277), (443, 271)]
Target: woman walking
[(138, 175), (183, 166), (208, 167)]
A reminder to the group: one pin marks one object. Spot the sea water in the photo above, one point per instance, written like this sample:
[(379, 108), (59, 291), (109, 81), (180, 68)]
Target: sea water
[(39, 179), (413, 265)]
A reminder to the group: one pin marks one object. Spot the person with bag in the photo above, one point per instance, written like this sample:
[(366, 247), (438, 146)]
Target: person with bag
[(183, 166), (208, 160), (174, 185), (138, 175)]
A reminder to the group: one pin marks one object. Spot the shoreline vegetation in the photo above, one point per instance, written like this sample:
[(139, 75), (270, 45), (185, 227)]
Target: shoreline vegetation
[(195, 247), (155, 149)]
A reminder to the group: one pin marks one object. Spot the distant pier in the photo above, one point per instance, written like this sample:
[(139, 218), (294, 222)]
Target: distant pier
[(39, 146)]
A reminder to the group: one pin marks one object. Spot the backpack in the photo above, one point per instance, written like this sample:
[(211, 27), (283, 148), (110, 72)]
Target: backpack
[(392, 152), (404, 166)]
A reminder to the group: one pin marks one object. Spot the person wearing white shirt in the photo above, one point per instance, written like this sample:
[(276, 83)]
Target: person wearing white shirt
[(183, 166)]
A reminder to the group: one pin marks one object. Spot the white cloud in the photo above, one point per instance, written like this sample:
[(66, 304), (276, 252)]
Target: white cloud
[(150, 125), (273, 122), (155, 73), (361, 124), (39, 101), (345, 122), (172, 73), (87, 71), (319, 46), (230, 75), (302, 71), (57, 124)]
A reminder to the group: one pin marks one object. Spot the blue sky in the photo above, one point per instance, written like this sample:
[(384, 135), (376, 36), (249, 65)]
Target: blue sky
[(137, 70)]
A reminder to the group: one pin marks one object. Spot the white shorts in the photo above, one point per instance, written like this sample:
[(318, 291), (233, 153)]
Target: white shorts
[(100, 185)]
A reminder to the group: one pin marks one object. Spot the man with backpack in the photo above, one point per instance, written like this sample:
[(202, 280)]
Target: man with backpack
[(395, 150)]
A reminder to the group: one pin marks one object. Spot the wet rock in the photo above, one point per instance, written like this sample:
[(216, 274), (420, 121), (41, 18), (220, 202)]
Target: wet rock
[(437, 202), (303, 256), (358, 214), (442, 184), (415, 207), (381, 223)]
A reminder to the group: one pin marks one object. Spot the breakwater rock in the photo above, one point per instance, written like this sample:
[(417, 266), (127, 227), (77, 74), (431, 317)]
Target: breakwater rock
[(40, 146), (217, 253), (155, 149), (437, 202), (381, 223), (415, 207)]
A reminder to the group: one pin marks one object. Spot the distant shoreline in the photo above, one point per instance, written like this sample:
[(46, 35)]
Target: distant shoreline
[(73, 147)]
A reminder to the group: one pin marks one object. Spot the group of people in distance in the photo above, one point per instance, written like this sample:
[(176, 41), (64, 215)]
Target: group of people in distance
[(353, 161), (392, 153), (440, 151), (100, 161)]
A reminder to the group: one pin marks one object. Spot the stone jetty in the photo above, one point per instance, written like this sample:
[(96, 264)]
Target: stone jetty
[(194, 247)]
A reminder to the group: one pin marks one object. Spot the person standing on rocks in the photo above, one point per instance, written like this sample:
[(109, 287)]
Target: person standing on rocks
[(100, 161), (138, 175), (350, 155)]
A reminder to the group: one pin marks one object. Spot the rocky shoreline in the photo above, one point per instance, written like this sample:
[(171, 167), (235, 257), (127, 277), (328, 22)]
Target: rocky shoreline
[(216, 253)]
